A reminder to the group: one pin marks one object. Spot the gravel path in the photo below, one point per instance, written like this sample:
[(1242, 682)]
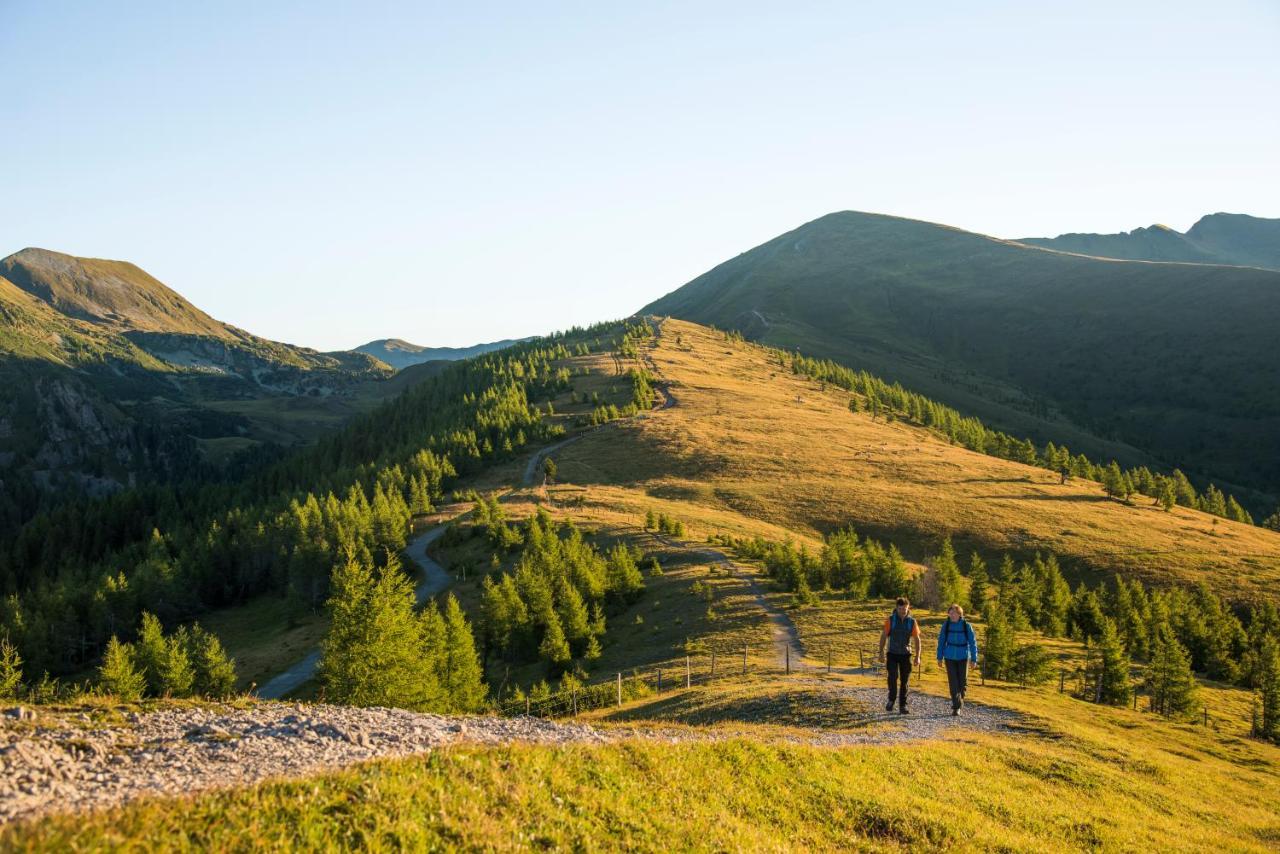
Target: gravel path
[(69, 763)]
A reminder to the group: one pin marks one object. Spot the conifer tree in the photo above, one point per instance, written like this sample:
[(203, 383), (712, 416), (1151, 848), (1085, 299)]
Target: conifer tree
[(978, 583), (150, 652), (1269, 688), (176, 675), (650, 520), (117, 675), (1166, 494), (373, 653), (464, 680), (1185, 492), (215, 672), (10, 670), (1236, 513), (1170, 683), (554, 649), (1272, 521), (1110, 667), (948, 572), (998, 644)]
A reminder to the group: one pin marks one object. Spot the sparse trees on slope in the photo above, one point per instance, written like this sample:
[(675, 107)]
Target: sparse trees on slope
[(950, 589), (1269, 688)]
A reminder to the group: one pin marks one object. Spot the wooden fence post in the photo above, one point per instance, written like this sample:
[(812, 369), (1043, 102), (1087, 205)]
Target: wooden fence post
[(744, 659), (688, 674), (619, 687), (828, 661), (713, 665), (659, 680), (575, 702), (526, 705), (788, 648), (1062, 679), (862, 665)]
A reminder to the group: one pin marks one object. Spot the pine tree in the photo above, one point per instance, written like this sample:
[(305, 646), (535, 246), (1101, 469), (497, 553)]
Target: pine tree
[(118, 675), (10, 670), (150, 652), (373, 653), (998, 645), (1236, 513), (554, 649), (464, 679), (176, 676), (1183, 490), (978, 583), (1110, 667), (1113, 481), (949, 587), (1166, 494), (650, 520), (1272, 521), (1269, 688), (215, 672), (1170, 683)]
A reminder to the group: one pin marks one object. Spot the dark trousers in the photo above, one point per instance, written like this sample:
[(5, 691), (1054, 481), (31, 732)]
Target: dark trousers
[(899, 667), (957, 679)]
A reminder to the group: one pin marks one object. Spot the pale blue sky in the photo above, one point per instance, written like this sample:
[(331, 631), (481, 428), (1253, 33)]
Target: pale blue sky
[(327, 173)]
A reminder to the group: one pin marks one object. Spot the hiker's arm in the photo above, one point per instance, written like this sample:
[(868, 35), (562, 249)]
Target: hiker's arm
[(915, 643), (942, 635), (884, 636), (973, 647)]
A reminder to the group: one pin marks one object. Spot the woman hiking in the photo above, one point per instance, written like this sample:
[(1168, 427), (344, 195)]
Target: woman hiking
[(958, 647)]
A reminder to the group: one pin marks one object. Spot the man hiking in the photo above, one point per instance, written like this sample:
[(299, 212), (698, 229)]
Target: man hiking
[(903, 637), (958, 647)]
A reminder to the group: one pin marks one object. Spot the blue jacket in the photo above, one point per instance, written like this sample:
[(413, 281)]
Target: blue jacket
[(957, 641)]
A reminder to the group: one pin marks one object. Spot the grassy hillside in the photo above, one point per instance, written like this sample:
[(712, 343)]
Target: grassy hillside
[(770, 760), (1165, 361), (747, 440)]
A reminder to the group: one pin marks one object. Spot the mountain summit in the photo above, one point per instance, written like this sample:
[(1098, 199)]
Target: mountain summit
[(1174, 359)]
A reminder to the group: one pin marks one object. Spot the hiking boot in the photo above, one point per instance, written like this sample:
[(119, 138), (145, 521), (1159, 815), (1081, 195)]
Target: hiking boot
[(955, 711), (902, 710), (888, 707), (957, 702)]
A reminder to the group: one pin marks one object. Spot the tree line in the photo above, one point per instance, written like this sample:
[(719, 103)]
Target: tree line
[(891, 401), (1174, 631), (86, 571)]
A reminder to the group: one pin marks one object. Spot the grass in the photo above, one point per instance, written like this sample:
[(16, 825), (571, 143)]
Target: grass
[(261, 640), (751, 445), (1080, 785)]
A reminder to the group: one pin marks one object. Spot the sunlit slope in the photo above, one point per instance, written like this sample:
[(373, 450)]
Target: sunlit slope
[(747, 437)]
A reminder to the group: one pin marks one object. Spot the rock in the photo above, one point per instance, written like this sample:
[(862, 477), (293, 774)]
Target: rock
[(20, 713)]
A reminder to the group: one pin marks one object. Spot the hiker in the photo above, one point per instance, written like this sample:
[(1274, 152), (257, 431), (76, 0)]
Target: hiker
[(903, 637), (958, 647)]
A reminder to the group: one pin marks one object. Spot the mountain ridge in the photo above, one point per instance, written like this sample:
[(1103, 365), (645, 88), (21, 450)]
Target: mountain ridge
[(1217, 238), (1102, 354)]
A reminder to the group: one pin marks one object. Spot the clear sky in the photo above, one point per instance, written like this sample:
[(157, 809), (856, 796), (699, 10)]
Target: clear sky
[(327, 173)]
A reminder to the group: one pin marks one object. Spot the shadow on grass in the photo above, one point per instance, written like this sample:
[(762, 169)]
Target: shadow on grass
[(753, 704)]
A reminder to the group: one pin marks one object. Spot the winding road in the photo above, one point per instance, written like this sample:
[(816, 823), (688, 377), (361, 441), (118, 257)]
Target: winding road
[(434, 579)]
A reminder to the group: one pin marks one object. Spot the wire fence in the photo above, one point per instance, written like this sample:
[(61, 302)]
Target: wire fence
[(706, 668)]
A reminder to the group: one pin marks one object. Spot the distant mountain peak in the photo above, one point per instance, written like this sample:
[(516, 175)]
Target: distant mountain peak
[(114, 293), (400, 354), (1239, 240)]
